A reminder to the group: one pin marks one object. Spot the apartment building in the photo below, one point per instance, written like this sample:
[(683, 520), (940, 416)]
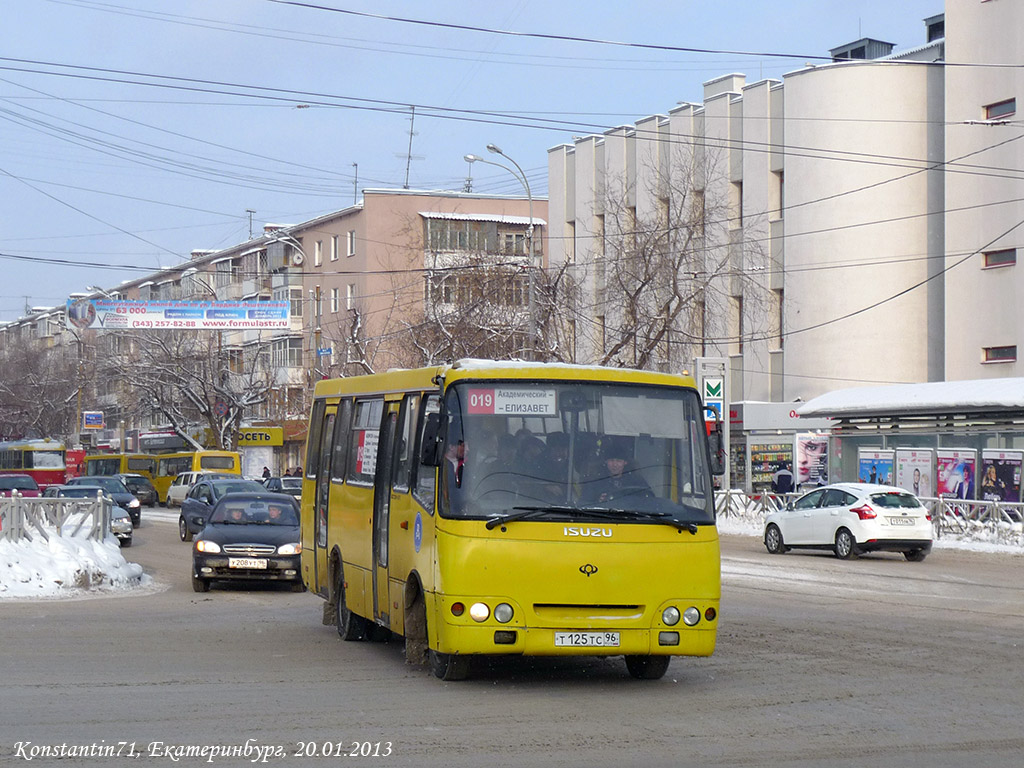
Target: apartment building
[(363, 285)]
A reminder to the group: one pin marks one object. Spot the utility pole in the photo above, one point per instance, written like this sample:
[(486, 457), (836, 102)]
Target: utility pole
[(355, 184), (250, 211), (408, 156)]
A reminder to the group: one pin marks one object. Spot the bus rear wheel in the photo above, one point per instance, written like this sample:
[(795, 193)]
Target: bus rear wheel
[(647, 667), (350, 626), (448, 666)]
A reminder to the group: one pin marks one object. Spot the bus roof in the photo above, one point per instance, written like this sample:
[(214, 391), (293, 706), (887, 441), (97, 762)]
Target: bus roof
[(400, 380)]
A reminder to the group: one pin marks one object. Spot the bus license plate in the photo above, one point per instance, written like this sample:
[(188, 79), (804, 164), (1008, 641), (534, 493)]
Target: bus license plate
[(247, 562), (587, 639)]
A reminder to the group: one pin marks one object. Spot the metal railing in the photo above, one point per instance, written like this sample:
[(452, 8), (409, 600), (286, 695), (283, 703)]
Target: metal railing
[(996, 522), (27, 519)]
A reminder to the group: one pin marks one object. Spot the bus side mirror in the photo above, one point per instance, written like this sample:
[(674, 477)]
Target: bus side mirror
[(430, 448), (717, 451)]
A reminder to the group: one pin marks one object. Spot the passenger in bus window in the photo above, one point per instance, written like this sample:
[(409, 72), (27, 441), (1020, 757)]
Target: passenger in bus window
[(554, 465), (454, 472), (620, 480)]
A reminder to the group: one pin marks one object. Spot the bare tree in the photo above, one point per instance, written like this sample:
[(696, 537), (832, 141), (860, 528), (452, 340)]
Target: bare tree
[(665, 283), (40, 391), (190, 377)]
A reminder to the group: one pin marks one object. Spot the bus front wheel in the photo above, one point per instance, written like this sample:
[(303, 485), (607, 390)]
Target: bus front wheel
[(647, 667), (350, 626), (447, 666)]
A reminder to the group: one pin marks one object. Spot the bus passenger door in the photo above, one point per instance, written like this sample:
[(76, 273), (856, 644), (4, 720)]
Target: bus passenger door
[(321, 501), (382, 513)]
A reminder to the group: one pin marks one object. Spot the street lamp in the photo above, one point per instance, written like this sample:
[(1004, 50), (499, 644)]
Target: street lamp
[(521, 176)]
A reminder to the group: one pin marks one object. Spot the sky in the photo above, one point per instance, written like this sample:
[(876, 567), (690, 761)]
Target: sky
[(133, 132), (40, 570)]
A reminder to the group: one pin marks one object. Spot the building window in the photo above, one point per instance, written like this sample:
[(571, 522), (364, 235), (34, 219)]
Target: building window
[(351, 242), (1000, 354), (296, 302), (334, 247), (350, 296), (1004, 258), (1000, 109), (335, 299), (318, 253)]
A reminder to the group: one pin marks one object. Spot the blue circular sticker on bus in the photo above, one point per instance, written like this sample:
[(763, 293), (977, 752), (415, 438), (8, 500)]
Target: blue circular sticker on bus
[(417, 532)]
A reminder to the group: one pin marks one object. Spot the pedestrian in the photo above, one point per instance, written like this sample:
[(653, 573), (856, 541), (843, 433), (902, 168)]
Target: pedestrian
[(782, 480), (266, 472)]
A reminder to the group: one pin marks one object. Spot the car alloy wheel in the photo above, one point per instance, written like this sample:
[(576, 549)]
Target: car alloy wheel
[(773, 540), (846, 545)]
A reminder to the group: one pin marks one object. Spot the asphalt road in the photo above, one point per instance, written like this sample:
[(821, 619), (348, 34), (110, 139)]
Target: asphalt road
[(820, 662)]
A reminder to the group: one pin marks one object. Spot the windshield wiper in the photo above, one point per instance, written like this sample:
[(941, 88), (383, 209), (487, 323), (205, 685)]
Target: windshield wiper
[(607, 513)]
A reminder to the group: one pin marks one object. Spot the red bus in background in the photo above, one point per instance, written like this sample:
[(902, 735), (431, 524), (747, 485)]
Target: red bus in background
[(43, 460)]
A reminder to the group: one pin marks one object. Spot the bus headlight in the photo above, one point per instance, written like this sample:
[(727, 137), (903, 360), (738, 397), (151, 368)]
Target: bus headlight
[(479, 611), (691, 616), (670, 616), (503, 613)]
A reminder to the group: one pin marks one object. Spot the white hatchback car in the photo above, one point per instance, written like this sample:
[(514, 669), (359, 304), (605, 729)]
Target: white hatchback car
[(852, 518)]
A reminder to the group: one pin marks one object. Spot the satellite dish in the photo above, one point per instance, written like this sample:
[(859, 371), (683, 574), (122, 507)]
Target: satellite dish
[(298, 258)]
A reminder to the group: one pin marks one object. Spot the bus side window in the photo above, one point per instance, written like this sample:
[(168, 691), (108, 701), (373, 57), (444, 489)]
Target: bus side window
[(313, 440), (362, 457), (341, 438), (425, 480), (403, 468)]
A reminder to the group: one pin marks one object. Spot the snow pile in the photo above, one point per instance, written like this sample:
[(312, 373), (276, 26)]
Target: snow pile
[(65, 566)]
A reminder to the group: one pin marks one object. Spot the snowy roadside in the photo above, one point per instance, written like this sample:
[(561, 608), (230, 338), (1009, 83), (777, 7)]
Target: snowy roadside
[(65, 566), (736, 526)]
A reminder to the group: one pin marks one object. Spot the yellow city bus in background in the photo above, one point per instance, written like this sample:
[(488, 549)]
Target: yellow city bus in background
[(488, 508), (120, 463), (170, 465)]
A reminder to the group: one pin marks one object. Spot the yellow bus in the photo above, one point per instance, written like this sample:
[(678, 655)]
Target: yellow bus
[(170, 465), (120, 463), (514, 508)]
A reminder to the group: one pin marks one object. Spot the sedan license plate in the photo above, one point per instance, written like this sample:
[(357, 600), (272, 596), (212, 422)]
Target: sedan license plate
[(901, 521), (247, 562), (587, 639)]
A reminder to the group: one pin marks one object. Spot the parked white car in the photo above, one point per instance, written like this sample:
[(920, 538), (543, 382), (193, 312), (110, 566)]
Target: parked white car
[(850, 519)]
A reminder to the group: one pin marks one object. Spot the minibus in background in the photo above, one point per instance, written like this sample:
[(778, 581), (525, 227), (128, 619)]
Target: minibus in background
[(170, 465), (120, 464), (484, 508)]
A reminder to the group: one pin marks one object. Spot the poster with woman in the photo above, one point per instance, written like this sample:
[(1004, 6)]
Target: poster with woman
[(1000, 475), (915, 470), (875, 465), (811, 459), (955, 472)]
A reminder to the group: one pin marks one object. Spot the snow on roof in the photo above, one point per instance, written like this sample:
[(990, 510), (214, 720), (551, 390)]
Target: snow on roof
[(501, 219), (973, 396)]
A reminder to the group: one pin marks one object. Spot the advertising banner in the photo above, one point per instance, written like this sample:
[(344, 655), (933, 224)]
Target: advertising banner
[(955, 471), (811, 459), (875, 465), (915, 471), (92, 420), (1000, 475), (177, 315)]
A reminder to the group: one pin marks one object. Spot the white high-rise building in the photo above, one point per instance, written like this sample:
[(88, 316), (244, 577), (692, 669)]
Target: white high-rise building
[(856, 218)]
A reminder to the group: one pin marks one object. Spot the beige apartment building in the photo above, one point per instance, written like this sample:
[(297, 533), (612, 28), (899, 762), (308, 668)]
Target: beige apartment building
[(856, 222), (364, 285)]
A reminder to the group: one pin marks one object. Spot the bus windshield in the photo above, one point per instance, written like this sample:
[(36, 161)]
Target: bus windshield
[(575, 450)]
